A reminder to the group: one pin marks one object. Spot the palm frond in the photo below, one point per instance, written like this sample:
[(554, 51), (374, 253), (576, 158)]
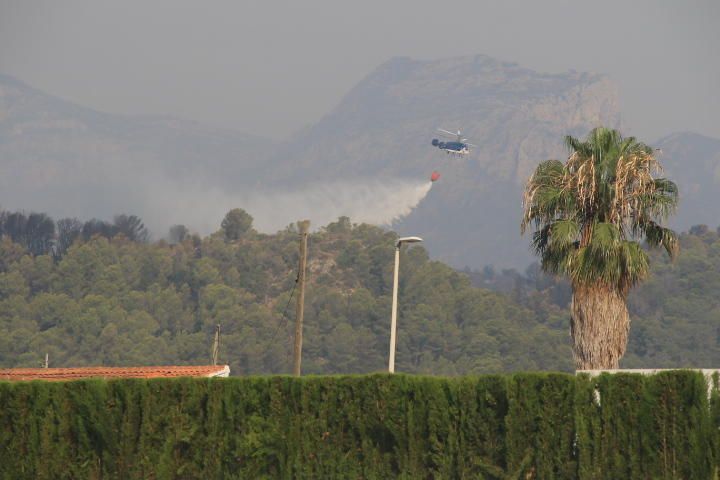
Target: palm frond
[(605, 237), (589, 211), (541, 239), (564, 233), (574, 145), (545, 196), (557, 261), (560, 235), (635, 265), (658, 236)]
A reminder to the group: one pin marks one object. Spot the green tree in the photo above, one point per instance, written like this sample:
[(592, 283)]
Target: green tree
[(178, 233), (68, 230), (237, 222), (132, 227), (590, 214)]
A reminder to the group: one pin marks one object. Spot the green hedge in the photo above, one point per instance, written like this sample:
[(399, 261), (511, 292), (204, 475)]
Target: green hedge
[(372, 427)]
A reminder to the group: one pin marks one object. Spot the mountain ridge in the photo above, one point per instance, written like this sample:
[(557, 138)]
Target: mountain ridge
[(517, 118), (55, 155), (64, 158)]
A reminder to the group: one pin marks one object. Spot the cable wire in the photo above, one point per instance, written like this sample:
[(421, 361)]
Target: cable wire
[(284, 314)]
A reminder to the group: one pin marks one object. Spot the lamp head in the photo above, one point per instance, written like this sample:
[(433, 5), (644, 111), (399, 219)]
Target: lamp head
[(402, 240)]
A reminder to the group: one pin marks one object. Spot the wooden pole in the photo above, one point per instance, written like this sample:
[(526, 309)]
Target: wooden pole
[(303, 226), (216, 345)]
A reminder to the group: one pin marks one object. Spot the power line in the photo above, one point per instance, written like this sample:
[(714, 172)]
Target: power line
[(284, 317), (284, 314)]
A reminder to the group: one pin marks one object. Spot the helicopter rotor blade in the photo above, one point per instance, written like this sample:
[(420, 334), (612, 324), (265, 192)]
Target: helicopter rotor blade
[(446, 133)]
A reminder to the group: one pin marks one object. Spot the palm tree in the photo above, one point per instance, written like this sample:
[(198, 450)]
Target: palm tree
[(590, 214)]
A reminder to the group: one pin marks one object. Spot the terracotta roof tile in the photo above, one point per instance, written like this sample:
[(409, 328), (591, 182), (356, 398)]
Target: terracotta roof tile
[(169, 371)]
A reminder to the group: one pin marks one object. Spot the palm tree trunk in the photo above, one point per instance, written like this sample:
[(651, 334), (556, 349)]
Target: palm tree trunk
[(599, 327)]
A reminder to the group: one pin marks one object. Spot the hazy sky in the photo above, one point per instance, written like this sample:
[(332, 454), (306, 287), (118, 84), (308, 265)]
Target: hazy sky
[(272, 67)]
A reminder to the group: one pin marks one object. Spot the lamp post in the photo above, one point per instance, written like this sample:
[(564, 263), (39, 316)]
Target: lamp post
[(393, 321)]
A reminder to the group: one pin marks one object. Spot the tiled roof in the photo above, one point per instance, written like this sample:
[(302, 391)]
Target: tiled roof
[(170, 371)]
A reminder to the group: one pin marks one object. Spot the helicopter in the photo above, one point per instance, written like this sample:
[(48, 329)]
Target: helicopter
[(457, 147)]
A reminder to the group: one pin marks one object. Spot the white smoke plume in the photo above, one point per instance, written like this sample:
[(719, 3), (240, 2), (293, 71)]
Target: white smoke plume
[(202, 209)]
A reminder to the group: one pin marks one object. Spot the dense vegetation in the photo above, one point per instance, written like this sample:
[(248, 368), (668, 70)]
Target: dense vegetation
[(116, 301), (675, 313), (529, 426), (111, 300)]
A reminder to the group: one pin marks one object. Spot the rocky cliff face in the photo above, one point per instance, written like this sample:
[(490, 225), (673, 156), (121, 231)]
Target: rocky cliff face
[(513, 114), (516, 116)]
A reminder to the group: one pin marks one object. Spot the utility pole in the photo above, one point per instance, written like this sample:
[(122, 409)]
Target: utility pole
[(216, 345), (303, 226)]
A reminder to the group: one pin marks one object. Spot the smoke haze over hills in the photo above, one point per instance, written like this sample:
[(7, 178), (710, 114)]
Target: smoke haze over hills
[(370, 201), (368, 159)]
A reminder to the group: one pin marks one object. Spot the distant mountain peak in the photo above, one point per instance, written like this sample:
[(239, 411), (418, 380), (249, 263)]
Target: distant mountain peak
[(477, 94), (688, 136), (69, 160), (9, 80), (476, 64), (518, 117)]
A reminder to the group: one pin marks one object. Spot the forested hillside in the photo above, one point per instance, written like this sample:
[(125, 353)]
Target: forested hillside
[(98, 293), (675, 314), (116, 301)]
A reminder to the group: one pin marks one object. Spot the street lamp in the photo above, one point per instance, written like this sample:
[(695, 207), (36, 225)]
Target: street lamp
[(393, 321)]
